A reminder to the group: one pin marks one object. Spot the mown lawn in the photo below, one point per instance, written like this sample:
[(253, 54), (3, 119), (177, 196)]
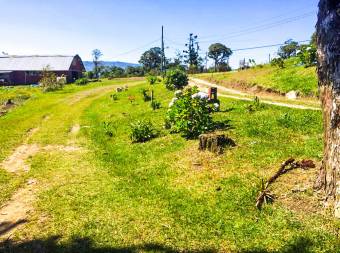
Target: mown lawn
[(291, 77), (166, 196)]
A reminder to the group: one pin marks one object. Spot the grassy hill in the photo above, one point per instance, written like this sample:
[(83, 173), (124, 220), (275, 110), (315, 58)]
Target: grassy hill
[(292, 77), (163, 195)]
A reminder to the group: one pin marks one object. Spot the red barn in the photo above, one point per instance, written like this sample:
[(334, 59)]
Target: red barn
[(16, 70)]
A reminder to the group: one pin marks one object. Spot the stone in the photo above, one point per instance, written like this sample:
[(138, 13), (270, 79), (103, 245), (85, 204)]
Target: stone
[(292, 95)]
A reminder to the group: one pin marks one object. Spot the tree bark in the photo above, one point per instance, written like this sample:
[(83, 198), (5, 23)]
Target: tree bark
[(328, 39)]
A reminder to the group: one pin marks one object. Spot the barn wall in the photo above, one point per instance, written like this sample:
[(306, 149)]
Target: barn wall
[(18, 77)]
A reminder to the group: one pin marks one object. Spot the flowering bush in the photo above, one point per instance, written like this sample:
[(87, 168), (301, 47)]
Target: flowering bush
[(189, 113)]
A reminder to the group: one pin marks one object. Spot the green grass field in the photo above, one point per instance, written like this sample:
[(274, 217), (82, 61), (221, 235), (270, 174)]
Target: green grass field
[(291, 77), (163, 195)]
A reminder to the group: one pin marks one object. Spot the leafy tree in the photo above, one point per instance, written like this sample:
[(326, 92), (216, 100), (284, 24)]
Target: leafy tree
[(151, 60), (191, 55), (289, 49), (113, 72), (96, 54), (219, 53), (134, 71)]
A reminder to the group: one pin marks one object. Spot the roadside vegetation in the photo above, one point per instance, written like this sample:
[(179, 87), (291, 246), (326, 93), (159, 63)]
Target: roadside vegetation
[(270, 78)]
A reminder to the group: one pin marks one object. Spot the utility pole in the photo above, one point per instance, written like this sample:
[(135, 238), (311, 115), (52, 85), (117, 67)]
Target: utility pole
[(269, 59), (163, 54)]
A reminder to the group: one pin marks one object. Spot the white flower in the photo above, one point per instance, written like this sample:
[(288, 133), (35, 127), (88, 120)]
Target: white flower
[(173, 102), (200, 95)]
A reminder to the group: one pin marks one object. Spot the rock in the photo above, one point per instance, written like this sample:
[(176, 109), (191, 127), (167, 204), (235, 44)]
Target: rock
[(292, 95)]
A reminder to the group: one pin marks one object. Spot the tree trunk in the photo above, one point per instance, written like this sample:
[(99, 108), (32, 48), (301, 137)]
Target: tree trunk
[(328, 39)]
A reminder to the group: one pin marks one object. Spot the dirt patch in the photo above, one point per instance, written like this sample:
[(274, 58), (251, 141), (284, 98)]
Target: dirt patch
[(75, 129), (15, 213), (17, 161)]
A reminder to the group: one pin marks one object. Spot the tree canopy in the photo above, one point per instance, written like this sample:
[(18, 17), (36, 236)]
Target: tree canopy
[(151, 59), (289, 49), (219, 53)]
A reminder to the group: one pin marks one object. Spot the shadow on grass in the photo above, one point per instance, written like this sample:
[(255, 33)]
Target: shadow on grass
[(7, 226), (299, 245), (222, 125), (82, 245)]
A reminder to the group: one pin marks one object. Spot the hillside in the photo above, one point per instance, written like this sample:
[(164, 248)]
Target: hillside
[(89, 64), (271, 78)]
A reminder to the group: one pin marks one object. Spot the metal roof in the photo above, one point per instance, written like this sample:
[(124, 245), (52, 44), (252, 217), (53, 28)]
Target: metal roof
[(35, 62)]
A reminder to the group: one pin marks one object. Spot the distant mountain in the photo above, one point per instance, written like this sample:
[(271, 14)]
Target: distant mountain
[(89, 64)]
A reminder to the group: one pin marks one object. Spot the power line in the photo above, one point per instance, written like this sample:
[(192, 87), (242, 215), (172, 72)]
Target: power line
[(278, 22), (262, 27), (265, 46), (137, 48)]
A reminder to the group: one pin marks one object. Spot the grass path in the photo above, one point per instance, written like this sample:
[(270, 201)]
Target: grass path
[(242, 95), (50, 134)]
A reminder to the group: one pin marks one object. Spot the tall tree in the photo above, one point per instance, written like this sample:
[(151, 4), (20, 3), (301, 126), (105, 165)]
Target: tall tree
[(328, 40), (152, 59), (191, 56), (219, 53), (96, 54)]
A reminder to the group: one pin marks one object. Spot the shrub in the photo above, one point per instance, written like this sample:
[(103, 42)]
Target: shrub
[(142, 131), (49, 81), (146, 96), (175, 79), (82, 81), (114, 97), (155, 104), (255, 105), (307, 55), (89, 74), (152, 79), (189, 114), (278, 62)]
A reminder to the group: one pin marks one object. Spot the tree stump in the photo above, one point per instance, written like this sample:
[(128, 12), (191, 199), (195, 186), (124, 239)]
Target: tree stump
[(214, 143)]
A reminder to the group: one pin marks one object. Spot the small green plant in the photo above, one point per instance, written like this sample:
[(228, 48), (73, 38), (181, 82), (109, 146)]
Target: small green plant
[(189, 114), (152, 79), (155, 104), (108, 128), (49, 81), (278, 62), (146, 96), (114, 97), (255, 105), (142, 131), (285, 120), (175, 79), (81, 81)]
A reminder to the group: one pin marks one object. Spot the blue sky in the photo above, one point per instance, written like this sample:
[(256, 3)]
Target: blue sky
[(123, 29)]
